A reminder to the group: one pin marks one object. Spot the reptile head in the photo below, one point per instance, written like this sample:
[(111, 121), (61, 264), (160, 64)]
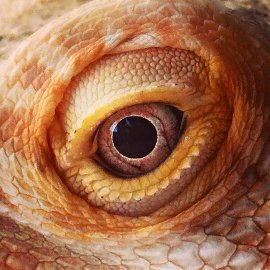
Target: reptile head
[(135, 135)]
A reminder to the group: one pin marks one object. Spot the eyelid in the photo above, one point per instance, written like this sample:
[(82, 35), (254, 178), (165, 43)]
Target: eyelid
[(124, 79), (182, 79)]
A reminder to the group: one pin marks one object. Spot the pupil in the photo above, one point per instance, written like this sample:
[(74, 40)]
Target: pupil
[(134, 137)]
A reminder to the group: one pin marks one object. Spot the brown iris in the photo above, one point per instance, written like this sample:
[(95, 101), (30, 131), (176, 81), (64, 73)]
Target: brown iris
[(137, 139)]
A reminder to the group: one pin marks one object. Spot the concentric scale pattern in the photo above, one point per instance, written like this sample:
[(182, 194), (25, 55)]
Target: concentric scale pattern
[(205, 207)]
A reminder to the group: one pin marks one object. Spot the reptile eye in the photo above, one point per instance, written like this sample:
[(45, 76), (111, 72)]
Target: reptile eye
[(74, 100), (137, 139), (98, 142)]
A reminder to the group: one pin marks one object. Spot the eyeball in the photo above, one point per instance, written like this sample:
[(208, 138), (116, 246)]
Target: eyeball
[(135, 140)]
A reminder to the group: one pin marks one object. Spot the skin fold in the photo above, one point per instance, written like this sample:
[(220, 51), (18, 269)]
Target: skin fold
[(207, 206)]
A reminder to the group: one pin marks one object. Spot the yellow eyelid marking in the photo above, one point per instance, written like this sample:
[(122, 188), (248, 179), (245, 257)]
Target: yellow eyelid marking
[(114, 195), (194, 151), (103, 192), (125, 196)]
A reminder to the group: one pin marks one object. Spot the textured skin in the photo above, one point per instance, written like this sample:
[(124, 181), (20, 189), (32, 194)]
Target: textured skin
[(221, 219)]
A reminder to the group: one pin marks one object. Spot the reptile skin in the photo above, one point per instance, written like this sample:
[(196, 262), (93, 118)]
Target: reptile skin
[(60, 210)]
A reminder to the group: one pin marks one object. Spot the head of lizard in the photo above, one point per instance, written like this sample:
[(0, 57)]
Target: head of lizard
[(194, 71)]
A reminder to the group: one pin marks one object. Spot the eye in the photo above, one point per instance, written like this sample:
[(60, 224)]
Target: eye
[(88, 154), (137, 139), (136, 134)]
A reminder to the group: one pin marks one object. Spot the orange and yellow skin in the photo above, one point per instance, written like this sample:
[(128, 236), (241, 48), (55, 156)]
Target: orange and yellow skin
[(60, 210)]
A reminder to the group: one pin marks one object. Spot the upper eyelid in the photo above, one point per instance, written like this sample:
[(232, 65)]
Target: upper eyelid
[(107, 80)]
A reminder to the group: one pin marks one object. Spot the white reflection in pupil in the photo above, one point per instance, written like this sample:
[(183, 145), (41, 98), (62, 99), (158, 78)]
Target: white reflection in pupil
[(134, 137)]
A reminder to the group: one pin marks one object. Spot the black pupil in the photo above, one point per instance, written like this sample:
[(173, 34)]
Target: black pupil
[(134, 137)]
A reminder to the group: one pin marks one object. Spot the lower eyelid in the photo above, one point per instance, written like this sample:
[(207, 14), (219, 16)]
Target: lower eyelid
[(106, 80), (98, 178)]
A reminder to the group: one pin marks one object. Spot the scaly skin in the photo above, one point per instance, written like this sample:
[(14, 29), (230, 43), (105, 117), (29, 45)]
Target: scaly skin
[(220, 217)]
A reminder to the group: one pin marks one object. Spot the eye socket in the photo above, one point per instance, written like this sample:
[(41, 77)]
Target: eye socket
[(137, 139), (104, 94)]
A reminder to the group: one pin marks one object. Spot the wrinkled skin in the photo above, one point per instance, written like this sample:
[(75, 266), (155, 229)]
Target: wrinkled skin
[(219, 218)]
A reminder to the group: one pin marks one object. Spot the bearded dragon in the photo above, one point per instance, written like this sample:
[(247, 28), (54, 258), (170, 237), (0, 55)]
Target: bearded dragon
[(59, 209)]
